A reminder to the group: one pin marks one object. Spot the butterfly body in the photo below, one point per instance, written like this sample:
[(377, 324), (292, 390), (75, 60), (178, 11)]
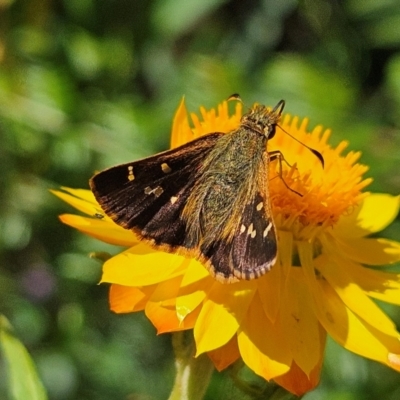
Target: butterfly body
[(207, 198), (225, 182)]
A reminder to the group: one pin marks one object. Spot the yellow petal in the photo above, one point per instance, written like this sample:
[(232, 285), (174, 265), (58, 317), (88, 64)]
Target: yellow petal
[(164, 319), (375, 213), (84, 194), (381, 285), (355, 334), (85, 202), (262, 346), (338, 320), (285, 250), (180, 126), (297, 382), (124, 299), (107, 232), (221, 314), (394, 361), (226, 355), (161, 311), (300, 324), (195, 284), (352, 296), (141, 265), (271, 285), (368, 251)]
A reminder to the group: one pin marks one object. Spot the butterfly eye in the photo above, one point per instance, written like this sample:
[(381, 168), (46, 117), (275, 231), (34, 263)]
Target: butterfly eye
[(270, 131)]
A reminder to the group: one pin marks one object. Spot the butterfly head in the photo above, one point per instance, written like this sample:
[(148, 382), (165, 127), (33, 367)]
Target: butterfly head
[(262, 120)]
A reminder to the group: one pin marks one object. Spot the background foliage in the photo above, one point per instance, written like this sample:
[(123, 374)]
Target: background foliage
[(85, 84)]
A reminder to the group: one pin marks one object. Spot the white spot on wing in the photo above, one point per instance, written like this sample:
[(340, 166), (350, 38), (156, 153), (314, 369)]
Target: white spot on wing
[(166, 168), (259, 206), (131, 177), (173, 199), (157, 191), (267, 229), (250, 229)]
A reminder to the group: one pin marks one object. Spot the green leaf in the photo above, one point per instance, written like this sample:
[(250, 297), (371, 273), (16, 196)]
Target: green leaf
[(23, 380)]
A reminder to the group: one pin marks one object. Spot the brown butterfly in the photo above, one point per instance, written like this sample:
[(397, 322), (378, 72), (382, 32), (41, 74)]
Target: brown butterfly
[(207, 199)]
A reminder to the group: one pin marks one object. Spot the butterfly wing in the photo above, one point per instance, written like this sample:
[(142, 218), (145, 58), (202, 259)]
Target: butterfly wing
[(148, 195), (254, 247), (252, 251)]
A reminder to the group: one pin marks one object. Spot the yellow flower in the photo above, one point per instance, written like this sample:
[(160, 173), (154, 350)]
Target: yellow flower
[(322, 282)]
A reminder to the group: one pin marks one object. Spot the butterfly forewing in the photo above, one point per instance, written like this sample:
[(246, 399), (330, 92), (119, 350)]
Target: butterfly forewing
[(148, 195)]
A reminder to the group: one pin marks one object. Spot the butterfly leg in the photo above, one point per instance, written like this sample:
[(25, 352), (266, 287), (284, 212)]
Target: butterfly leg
[(278, 155)]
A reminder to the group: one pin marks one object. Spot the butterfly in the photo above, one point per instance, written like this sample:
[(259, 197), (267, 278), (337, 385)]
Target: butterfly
[(208, 198)]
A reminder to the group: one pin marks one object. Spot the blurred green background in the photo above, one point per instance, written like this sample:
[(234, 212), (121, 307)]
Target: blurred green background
[(85, 84)]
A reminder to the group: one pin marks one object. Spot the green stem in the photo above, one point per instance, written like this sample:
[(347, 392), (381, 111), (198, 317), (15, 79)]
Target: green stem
[(192, 373)]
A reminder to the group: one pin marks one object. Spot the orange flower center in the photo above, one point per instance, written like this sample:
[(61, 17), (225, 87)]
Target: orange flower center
[(327, 192)]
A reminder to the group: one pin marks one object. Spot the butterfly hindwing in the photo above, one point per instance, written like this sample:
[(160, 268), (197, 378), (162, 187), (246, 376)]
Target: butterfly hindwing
[(217, 259), (148, 195), (250, 253), (254, 246)]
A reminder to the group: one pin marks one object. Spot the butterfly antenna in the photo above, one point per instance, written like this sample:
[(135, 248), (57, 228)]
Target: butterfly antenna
[(236, 97), (279, 108), (315, 152)]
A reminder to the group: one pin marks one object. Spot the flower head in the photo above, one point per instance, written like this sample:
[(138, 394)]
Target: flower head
[(322, 282)]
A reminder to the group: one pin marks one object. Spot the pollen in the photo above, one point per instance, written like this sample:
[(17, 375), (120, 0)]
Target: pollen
[(327, 192)]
